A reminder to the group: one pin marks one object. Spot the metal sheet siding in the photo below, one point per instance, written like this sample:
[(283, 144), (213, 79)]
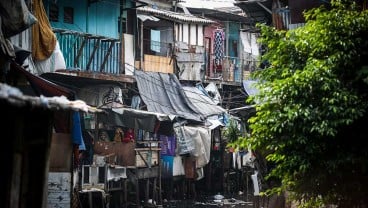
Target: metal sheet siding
[(174, 16)]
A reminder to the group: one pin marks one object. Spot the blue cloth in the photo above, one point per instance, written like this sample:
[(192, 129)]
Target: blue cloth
[(77, 137)]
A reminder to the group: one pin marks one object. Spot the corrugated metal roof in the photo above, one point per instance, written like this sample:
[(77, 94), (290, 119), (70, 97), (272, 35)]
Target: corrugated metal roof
[(174, 16)]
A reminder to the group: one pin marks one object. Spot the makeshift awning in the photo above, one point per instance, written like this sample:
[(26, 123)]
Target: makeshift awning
[(15, 97), (163, 93), (203, 104), (139, 119), (244, 112)]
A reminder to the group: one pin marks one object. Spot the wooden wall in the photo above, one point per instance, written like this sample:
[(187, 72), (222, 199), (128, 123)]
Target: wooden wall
[(156, 64)]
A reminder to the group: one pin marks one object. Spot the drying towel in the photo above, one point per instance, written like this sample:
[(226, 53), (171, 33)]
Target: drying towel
[(44, 39)]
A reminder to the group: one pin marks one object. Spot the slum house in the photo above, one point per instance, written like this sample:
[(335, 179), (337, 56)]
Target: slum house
[(54, 57), (115, 138), (239, 95), (94, 55), (152, 131), (86, 52), (52, 130), (224, 58), (196, 130), (183, 49), (171, 42), (67, 138), (30, 144), (51, 60), (232, 54), (93, 36), (228, 57), (283, 15), (48, 57)]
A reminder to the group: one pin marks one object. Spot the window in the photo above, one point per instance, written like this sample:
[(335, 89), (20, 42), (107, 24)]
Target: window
[(54, 12), (68, 15), (155, 40)]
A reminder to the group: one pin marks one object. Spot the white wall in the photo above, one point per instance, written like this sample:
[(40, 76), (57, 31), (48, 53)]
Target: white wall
[(193, 34), (185, 33), (200, 35)]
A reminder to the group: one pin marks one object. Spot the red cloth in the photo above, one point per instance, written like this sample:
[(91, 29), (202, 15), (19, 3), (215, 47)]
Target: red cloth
[(129, 136)]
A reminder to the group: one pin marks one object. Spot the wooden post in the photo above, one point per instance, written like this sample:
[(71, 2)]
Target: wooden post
[(160, 180), (80, 51), (142, 47), (146, 192), (137, 192), (97, 45), (112, 44), (154, 191), (125, 193)]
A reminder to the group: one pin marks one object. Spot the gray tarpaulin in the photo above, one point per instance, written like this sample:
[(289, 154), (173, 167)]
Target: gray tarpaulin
[(203, 104), (133, 118), (163, 93)]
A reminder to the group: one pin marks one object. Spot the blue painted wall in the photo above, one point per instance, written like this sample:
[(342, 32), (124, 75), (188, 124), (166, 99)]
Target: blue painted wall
[(234, 38), (100, 18), (103, 18)]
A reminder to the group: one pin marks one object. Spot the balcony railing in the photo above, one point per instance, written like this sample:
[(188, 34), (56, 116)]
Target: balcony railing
[(230, 69), (88, 52)]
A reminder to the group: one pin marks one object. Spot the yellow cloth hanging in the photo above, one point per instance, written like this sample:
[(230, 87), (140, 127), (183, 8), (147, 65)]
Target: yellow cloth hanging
[(43, 38)]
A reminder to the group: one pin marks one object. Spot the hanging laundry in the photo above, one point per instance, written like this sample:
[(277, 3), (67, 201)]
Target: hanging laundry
[(219, 38)]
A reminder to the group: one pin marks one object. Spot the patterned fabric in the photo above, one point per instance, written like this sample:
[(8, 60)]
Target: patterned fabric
[(218, 46)]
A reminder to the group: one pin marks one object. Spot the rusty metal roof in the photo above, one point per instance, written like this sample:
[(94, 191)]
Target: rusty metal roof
[(174, 16)]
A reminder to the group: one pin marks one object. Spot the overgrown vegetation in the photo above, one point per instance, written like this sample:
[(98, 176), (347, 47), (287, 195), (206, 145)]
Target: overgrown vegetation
[(312, 120)]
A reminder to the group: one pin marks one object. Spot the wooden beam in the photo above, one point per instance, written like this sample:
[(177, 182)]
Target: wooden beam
[(97, 45), (102, 76), (112, 43), (79, 54), (144, 160)]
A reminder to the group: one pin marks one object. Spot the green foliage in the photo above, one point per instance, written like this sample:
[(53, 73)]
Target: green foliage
[(313, 118), (232, 132)]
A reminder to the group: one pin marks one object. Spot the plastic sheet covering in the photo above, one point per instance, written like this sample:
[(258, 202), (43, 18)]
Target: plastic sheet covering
[(195, 141), (202, 144), (185, 144), (15, 17), (54, 62)]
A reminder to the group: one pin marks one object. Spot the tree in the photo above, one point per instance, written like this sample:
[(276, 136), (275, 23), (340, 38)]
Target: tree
[(312, 118)]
